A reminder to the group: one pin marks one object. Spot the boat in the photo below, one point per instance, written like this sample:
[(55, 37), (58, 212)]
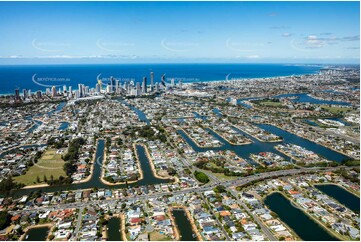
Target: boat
[(27, 236)]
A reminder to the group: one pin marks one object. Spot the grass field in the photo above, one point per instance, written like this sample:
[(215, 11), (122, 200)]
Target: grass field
[(156, 236), (49, 164), (271, 104), (335, 110)]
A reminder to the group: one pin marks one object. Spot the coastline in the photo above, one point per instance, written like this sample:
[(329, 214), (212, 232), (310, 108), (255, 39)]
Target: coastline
[(313, 72)]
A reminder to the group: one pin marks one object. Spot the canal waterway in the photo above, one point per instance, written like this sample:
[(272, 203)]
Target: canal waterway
[(148, 176), (305, 227), (257, 146), (341, 195), (37, 234), (184, 226), (114, 233)]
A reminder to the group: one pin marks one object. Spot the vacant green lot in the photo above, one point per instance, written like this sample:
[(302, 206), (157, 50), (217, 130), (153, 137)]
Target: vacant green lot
[(271, 104), (49, 164), (156, 236), (335, 110)]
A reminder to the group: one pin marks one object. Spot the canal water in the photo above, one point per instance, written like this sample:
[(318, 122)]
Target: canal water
[(305, 98), (257, 146), (114, 233), (63, 126), (184, 226), (341, 195), (141, 115), (148, 177), (305, 227), (37, 234)]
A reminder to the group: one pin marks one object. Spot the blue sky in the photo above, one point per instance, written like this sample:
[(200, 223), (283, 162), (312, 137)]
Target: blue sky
[(138, 32)]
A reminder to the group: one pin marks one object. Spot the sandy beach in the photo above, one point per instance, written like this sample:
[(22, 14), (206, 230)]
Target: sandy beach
[(124, 235)]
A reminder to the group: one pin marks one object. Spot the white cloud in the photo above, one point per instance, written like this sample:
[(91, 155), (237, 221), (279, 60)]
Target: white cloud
[(286, 34), (253, 56)]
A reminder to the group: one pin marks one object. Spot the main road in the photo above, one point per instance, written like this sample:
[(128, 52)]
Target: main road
[(236, 182)]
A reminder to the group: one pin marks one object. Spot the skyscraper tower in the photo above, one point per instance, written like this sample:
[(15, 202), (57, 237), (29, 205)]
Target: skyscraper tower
[(80, 90), (151, 81), (17, 95), (144, 85), (53, 91), (163, 80), (25, 93), (138, 90)]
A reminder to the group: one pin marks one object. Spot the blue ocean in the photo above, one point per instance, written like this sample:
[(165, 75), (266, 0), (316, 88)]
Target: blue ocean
[(39, 77)]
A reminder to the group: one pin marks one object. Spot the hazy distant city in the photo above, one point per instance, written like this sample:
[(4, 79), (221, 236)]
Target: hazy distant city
[(181, 139)]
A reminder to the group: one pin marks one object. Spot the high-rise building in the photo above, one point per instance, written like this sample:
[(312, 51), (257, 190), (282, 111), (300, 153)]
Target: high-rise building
[(117, 87), (157, 87), (172, 82), (180, 83), (48, 91), (53, 91), (80, 90), (17, 95), (163, 80), (25, 93), (144, 85), (97, 88), (64, 88), (38, 94), (100, 84), (138, 89), (29, 92), (70, 91), (151, 81)]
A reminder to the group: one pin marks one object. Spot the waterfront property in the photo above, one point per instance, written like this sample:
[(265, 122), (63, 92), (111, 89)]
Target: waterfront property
[(305, 227), (344, 197)]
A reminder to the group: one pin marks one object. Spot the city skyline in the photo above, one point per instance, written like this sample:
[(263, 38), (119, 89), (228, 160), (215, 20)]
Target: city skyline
[(179, 32)]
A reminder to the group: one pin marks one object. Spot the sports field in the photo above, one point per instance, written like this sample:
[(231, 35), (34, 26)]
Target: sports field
[(49, 164)]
